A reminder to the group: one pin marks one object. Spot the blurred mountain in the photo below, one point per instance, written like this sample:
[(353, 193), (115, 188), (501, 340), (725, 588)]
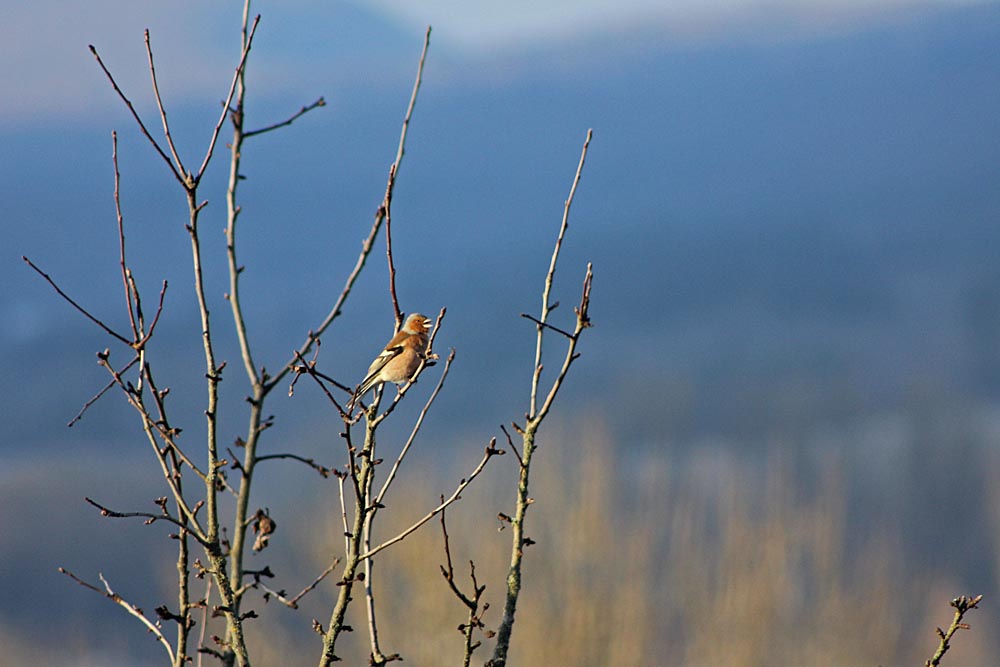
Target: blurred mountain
[(808, 220)]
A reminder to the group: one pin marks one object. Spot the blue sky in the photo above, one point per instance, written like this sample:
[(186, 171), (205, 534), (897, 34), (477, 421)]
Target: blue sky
[(813, 118), (44, 43)]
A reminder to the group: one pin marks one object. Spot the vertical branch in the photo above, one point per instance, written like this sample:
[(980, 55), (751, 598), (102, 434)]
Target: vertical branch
[(534, 420), (368, 243), (233, 210), (159, 105), (121, 238), (387, 207), (360, 471), (213, 372), (185, 622), (204, 618), (140, 335), (471, 603), (247, 42), (256, 400), (377, 658), (393, 171), (413, 103), (547, 289)]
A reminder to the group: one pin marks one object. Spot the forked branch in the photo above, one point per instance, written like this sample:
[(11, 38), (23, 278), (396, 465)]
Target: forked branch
[(962, 605), (536, 415), (369, 243), (127, 606)]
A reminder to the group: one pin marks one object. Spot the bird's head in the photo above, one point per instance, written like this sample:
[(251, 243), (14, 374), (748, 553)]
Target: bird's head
[(416, 324)]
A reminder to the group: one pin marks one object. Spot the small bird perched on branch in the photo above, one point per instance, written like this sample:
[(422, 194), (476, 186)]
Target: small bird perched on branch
[(402, 355)]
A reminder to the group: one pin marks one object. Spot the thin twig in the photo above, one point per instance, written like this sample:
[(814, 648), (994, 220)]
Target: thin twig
[(161, 424), (535, 417), (367, 244), (413, 432), (393, 172), (546, 325), (156, 316), (229, 98), (288, 121), (322, 470), (233, 211), (138, 119), (150, 518), (413, 102), (472, 604), (159, 105), (343, 512), (130, 608), (97, 396), (582, 322), (547, 290), (121, 237), (111, 332), (377, 659), (293, 603), (387, 206), (491, 451), (962, 604), (449, 574), (510, 442), (204, 619), (310, 369)]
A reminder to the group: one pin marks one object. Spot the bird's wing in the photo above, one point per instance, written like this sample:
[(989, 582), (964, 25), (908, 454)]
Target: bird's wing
[(388, 354)]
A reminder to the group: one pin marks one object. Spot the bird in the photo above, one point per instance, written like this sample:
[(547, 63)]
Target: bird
[(402, 355)]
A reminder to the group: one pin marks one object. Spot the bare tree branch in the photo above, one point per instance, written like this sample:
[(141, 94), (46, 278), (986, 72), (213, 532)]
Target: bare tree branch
[(413, 103), (96, 397), (546, 325), (535, 417), (293, 602), (491, 451), (369, 242), (387, 207), (130, 608), (150, 517), (288, 121), (247, 43), (159, 105), (547, 290), (510, 442), (472, 603), (322, 470), (413, 432), (142, 126), (962, 605), (108, 330), (126, 283)]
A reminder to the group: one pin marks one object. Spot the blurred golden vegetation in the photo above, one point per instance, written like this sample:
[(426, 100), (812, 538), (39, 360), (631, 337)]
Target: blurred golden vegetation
[(635, 564), (638, 560)]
